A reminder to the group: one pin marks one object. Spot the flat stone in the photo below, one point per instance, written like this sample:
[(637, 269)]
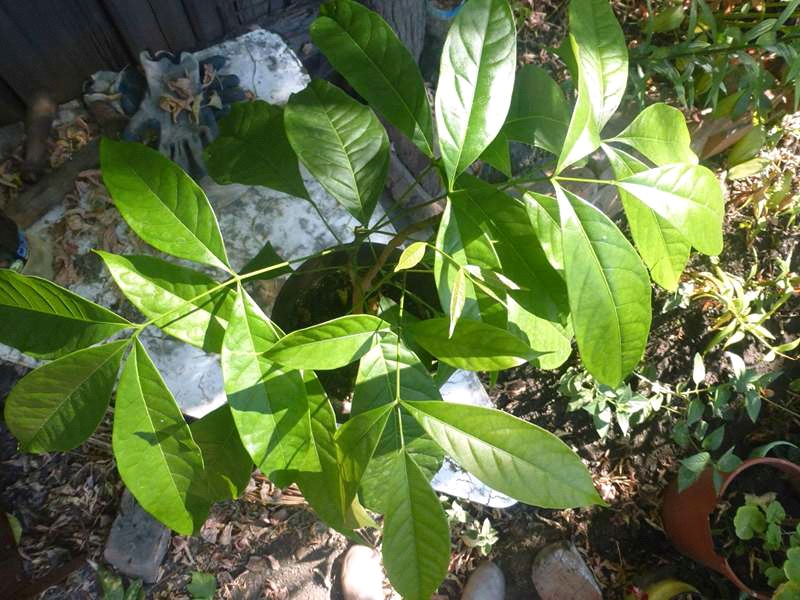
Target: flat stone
[(560, 573), (486, 583), (137, 542)]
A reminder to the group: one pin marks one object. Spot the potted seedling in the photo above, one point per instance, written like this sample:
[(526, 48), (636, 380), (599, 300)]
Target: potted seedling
[(518, 275), (748, 530)]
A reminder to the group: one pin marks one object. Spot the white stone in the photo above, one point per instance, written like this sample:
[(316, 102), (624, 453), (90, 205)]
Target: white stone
[(362, 574), (486, 583)]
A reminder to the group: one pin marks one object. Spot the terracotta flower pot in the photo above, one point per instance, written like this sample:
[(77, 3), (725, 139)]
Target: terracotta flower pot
[(686, 516)]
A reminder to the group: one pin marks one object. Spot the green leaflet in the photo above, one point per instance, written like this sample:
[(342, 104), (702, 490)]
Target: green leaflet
[(543, 215), (511, 455), (663, 248), (539, 113), (30, 306), (498, 349), (329, 345), (599, 45), (609, 290), (227, 464), (161, 203), (252, 149), (357, 440), (331, 496), (156, 456), (367, 52), (342, 143), (659, 132), (269, 404), (689, 197), (476, 80), (416, 541), (179, 299), (411, 256), (583, 134), (59, 405)]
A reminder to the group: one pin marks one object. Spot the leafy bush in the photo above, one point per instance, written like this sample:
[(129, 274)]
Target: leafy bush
[(519, 273)]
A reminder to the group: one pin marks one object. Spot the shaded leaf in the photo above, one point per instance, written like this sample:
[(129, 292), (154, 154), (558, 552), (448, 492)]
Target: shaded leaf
[(155, 454), (498, 155), (252, 149), (370, 56), (342, 143), (30, 306), (609, 290), (476, 79), (227, 464), (539, 113), (266, 258), (161, 203), (59, 405), (510, 455)]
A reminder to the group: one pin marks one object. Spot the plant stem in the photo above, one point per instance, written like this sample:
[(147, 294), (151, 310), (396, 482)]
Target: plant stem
[(394, 243)]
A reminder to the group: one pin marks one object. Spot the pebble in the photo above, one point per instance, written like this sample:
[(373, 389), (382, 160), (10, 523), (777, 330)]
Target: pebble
[(559, 573), (485, 583), (362, 574)]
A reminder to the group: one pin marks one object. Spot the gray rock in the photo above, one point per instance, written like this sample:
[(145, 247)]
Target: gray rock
[(137, 543), (559, 573), (485, 583)]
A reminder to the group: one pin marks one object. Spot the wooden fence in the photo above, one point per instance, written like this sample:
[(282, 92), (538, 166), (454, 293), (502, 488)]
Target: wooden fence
[(54, 45)]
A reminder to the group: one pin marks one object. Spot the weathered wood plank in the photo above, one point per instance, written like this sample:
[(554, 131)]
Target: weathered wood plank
[(54, 46)]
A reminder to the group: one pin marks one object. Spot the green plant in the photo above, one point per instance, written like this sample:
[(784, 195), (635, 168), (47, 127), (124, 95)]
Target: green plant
[(470, 531), (746, 304), (203, 586), (518, 274), (607, 405), (777, 548), (113, 588), (732, 57)]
